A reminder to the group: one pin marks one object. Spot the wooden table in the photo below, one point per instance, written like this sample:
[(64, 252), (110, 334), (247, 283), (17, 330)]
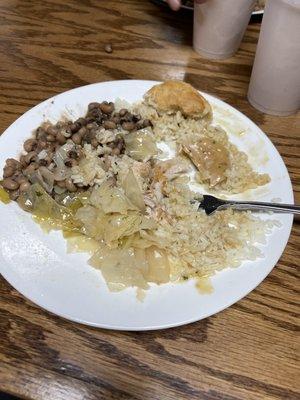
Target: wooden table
[(246, 352)]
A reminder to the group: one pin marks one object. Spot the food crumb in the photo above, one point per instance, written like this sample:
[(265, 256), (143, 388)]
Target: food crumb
[(140, 294), (204, 285), (108, 48)]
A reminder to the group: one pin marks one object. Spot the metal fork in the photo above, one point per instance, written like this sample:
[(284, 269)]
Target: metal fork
[(211, 204)]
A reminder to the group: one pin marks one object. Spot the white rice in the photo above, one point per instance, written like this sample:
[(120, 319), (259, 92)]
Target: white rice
[(176, 128)]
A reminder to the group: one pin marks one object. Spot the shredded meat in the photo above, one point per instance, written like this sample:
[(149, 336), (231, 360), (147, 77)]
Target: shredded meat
[(211, 159)]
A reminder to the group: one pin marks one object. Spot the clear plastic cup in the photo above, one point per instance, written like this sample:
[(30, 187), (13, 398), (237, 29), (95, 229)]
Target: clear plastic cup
[(219, 26), (275, 81)]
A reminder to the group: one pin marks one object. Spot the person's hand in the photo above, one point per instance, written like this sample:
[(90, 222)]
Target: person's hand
[(176, 4)]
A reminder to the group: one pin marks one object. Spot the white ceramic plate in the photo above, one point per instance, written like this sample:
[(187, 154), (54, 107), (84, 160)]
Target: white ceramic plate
[(37, 265)]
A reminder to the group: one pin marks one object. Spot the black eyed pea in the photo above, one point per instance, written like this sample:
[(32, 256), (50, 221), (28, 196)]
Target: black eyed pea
[(24, 186), (74, 127), (20, 179), (43, 162), (14, 195), (40, 133), (81, 121), (42, 144), (61, 184), (11, 162), (8, 171), (73, 154), (23, 161), (29, 145), (123, 112), (121, 144), (115, 119), (91, 106), (71, 162), (94, 142), (70, 186), (52, 130), (137, 117), (77, 138), (107, 108), (67, 133), (61, 138), (146, 123), (31, 156), (128, 117), (96, 114), (91, 125), (128, 126), (50, 138), (10, 184), (30, 169), (109, 124), (82, 131), (139, 125)]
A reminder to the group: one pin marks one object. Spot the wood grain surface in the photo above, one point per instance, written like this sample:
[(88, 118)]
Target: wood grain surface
[(250, 351)]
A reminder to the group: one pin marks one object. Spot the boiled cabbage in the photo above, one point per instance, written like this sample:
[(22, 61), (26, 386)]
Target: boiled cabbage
[(131, 266), (118, 226), (137, 241), (81, 244), (140, 145), (91, 219), (47, 211), (133, 191), (119, 268), (158, 265), (111, 199)]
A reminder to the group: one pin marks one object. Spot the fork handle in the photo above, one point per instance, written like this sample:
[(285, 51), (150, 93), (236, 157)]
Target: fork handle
[(256, 205)]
